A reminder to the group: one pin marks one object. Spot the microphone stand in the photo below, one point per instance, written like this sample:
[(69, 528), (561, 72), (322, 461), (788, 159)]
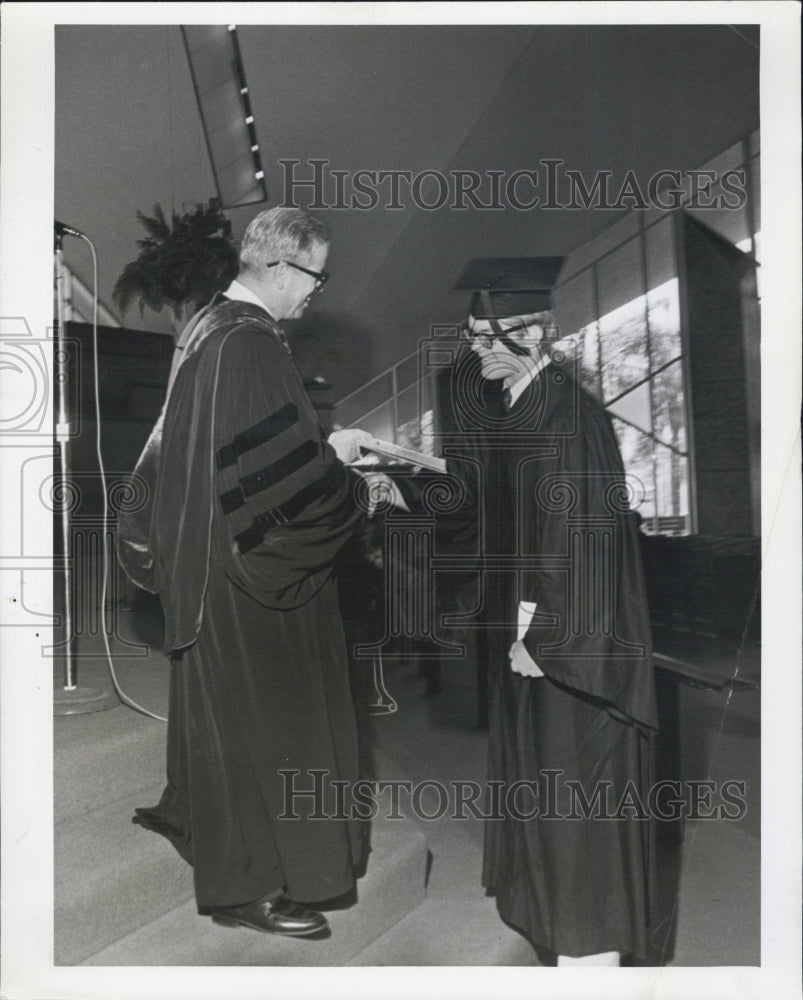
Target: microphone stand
[(70, 699), (385, 703)]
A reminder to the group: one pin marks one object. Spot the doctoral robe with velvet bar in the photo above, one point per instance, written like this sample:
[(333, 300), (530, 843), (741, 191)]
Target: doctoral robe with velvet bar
[(250, 508)]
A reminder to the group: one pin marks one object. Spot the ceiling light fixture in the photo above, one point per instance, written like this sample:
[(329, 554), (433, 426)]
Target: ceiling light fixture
[(224, 103)]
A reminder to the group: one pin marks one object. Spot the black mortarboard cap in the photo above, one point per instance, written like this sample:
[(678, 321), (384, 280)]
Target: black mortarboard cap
[(509, 286)]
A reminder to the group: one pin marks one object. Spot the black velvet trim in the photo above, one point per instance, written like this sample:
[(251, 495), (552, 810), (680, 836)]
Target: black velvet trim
[(274, 473), (232, 500), (252, 437), (262, 524)]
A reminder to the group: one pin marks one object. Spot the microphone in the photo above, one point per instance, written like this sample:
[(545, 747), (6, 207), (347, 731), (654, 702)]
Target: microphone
[(61, 229)]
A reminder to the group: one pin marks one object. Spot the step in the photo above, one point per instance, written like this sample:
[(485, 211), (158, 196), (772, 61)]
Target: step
[(126, 748), (111, 876), (392, 887), (449, 932), (457, 924)]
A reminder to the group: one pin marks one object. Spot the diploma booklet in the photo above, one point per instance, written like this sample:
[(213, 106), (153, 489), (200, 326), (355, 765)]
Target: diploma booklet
[(401, 454)]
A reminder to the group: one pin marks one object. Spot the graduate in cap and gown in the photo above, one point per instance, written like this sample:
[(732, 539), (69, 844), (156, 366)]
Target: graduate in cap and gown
[(570, 675)]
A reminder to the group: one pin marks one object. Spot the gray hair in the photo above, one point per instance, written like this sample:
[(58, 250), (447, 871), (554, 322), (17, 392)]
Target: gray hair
[(281, 234), (546, 320)]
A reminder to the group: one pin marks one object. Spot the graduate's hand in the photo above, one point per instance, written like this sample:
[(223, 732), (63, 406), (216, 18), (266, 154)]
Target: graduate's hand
[(347, 443), (522, 663)]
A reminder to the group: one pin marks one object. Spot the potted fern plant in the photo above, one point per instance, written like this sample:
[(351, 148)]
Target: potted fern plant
[(181, 263)]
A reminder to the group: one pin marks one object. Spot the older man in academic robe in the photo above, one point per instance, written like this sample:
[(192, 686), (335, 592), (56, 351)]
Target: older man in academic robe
[(250, 506)]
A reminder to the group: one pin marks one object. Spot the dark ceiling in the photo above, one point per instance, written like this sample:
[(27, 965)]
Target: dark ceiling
[(437, 98)]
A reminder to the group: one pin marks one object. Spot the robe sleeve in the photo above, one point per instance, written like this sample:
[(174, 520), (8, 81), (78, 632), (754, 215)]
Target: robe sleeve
[(591, 630), (285, 503)]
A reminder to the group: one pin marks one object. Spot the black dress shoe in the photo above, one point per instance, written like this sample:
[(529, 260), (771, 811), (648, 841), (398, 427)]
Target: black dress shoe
[(274, 916)]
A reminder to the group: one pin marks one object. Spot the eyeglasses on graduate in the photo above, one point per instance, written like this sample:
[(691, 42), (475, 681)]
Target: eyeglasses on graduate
[(321, 277), (487, 337)]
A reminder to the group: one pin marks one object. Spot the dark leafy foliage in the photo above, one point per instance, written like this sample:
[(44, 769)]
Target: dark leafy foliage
[(186, 260)]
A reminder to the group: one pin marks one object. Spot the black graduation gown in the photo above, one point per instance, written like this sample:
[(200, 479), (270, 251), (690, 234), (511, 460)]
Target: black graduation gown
[(544, 482), (259, 680), (575, 886)]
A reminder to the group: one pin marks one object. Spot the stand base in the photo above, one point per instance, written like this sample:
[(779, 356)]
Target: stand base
[(82, 701), (380, 708)]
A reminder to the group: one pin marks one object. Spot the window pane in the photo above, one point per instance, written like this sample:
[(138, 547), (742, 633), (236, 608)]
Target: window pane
[(619, 232), (662, 471), (587, 355), (620, 276), (574, 303), (664, 320), (661, 256), (623, 323), (669, 407), (669, 421), (637, 451), (672, 482), (623, 344), (635, 407)]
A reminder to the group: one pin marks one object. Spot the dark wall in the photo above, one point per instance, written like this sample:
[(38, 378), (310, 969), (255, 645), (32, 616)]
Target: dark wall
[(133, 367), (712, 275)]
